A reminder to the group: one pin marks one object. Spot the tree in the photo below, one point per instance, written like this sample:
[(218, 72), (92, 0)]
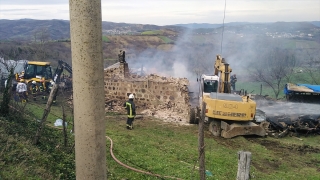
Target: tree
[(9, 67), (312, 69), (274, 68)]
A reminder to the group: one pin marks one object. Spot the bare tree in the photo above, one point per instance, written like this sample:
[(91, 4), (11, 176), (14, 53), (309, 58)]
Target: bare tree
[(274, 68), (313, 69), (7, 66)]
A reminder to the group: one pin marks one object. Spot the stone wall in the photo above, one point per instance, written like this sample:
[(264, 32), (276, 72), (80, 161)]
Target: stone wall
[(154, 94)]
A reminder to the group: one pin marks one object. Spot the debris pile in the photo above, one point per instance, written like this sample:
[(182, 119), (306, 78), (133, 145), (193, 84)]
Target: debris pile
[(287, 118), (166, 98)]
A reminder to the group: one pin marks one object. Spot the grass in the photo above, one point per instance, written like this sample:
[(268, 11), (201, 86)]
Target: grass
[(166, 39), (156, 32), (171, 150), (296, 78), (158, 147), (105, 39)]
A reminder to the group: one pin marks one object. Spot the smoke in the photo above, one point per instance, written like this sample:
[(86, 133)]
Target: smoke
[(272, 108), (187, 58)]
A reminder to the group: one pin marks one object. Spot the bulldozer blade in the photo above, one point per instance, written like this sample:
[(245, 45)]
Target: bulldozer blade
[(241, 128)]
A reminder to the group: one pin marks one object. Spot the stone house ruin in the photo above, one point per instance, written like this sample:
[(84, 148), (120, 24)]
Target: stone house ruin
[(163, 97)]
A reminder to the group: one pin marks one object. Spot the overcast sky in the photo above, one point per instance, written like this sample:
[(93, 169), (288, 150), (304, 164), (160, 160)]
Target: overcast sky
[(166, 12)]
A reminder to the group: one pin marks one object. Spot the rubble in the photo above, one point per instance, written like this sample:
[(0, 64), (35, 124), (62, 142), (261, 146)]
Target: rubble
[(166, 98), (288, 118)]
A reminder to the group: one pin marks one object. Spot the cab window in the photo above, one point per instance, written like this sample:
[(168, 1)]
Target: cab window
[(30, 71), (210, 86)]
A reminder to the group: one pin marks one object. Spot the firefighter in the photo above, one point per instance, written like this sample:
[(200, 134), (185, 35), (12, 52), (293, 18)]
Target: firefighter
[(22, 91), (131, 111), (34, 90), (41, 89)]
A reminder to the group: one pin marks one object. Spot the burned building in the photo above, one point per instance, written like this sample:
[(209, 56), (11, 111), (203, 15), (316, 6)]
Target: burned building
[(163, 97)]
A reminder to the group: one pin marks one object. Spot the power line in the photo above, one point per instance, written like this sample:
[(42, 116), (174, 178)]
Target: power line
[(224, 16)]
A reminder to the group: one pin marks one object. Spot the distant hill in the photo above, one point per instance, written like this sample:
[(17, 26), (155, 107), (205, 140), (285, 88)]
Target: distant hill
[(207, 25), (316, 23), (28, 29), (35, 30)]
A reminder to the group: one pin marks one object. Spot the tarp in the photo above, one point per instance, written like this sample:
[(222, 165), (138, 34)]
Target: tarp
[(315, 88), (289, 87)]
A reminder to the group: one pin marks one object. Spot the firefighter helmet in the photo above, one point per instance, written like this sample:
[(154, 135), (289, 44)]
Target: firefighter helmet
[(131, 96)]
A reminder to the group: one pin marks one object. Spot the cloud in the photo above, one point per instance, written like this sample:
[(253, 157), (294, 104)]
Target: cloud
[(165, 12)]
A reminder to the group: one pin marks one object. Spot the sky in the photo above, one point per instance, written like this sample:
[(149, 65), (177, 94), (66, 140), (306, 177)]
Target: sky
[(167, 12)]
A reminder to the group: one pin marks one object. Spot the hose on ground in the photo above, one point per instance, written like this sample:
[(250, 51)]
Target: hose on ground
[(134, 169)]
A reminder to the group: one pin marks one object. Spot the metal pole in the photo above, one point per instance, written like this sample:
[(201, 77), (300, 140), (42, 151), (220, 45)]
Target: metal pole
[(88, 88)]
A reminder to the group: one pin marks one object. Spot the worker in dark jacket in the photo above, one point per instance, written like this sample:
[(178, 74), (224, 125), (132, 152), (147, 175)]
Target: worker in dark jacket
[(233, 82), (131, 111)]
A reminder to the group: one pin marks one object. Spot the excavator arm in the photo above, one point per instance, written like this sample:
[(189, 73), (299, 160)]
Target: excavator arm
[(61, 66), (223, 70)]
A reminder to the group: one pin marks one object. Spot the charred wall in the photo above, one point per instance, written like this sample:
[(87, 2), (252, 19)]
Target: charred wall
[(151, 92)]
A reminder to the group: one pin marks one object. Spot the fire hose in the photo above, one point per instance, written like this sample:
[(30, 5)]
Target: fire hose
[(134, 169)]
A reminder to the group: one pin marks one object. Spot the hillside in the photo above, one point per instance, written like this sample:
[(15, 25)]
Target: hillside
[(156, 147), (167, 50), (28, 29)]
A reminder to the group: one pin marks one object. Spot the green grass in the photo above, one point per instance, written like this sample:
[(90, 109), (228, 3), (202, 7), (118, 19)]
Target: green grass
[(254, 88), (166, 39), (156, 32), (153, 146), (171, 150), (296, 78), (105, 39), (299, 44)]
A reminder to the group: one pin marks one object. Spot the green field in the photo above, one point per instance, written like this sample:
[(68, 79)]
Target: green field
[(105, 39), (166, 39), (156, 32)]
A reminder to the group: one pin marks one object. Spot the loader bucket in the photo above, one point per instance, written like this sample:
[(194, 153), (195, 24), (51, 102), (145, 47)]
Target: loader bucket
[(241, 128)]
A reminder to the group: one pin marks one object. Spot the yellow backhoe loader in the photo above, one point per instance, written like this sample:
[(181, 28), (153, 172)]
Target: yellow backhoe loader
[(228, 114)]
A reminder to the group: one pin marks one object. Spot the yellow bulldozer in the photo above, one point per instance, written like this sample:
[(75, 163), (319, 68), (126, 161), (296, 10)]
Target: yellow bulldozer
[(228, 114)]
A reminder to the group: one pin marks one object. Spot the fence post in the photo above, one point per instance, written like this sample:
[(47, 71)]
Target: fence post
[(46, 112), (244, 159), (202, 169)]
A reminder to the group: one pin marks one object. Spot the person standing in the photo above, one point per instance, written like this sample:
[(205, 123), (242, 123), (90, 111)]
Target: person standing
[(131, 111), (233, 82), (41, 89), (34, 90), (22, 90)]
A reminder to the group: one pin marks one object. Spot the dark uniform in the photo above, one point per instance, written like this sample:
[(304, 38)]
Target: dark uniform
[(233, 82), (131, 112), (34, 90), (42, 90)]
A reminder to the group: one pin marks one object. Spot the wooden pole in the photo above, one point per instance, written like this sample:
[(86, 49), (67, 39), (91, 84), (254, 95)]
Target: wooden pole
[(202, 169), (46, 112), (244, 159)]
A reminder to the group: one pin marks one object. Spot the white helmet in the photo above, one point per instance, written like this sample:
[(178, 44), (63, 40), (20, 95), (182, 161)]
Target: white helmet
[(131, 96), (34, 82)]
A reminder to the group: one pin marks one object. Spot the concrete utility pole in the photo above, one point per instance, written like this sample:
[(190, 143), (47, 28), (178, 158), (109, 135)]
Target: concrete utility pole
[(88, 88)]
